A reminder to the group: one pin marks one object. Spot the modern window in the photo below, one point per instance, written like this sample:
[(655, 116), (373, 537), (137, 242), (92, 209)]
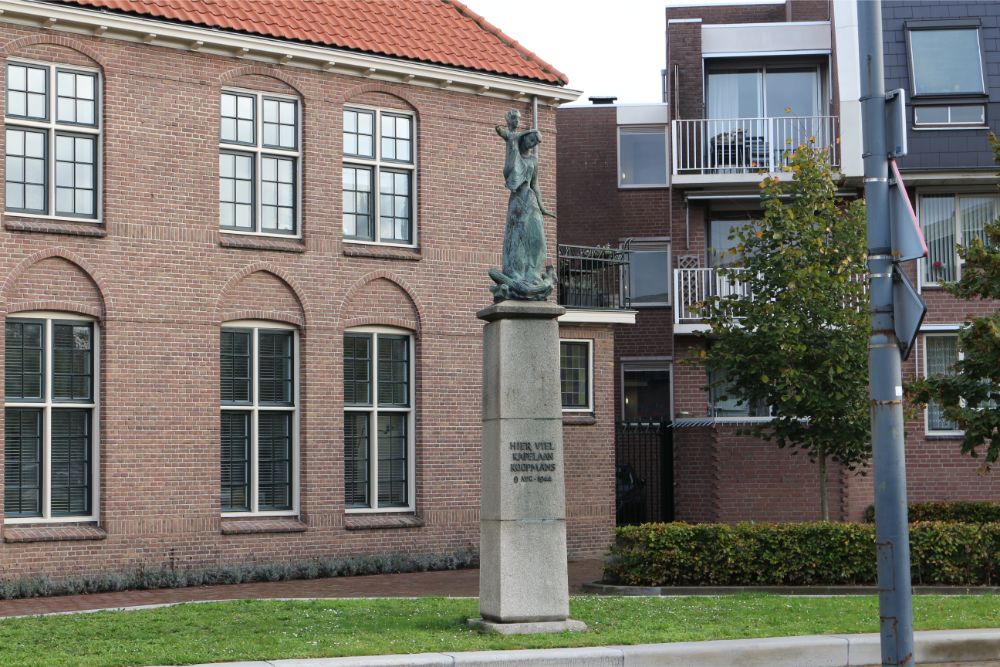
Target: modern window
[(949, 220), (379, 176), (576, 370), (941, 353), (724, 402), (259, 427), (649, 272), (52, 119), (50, 442), (646, 391), (378, 420), (259, 163), (642, 156), (946, 61), (954, 115)]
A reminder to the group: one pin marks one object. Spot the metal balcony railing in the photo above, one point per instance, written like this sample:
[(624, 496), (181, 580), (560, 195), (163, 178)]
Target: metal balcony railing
[(748, 145), (592, 277), (693, 286)]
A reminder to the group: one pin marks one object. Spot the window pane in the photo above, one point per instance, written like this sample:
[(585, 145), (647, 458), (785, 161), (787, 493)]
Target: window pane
[(574, 369), (74, 97), (72, 362), (930, 115), (274, 460), (973, 114), (643, 156), (27, 91), (724, 402), (70, 470), (22, 462), (942, 353), (280, 124), (937, 218), (74, 155), (235, 442), (278, 194), (647, 394), (356, 459), (234, 366), (275, 374), (358, 133), (392, 452), (26, 177), (394, 206), (237, 118), (975, 212), (946, 61), (357, 214), (24, 360), (236, 191), (393, 370), (649, 276), (357, 369)]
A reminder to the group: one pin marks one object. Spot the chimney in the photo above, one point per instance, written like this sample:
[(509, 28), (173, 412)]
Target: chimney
[(602, 99)]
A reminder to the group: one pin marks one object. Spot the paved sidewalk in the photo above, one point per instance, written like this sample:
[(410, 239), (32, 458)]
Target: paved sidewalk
[(449, 583)]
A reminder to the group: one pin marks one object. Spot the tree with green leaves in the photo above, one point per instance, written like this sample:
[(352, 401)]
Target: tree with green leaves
[(970, 396), (798, 342)]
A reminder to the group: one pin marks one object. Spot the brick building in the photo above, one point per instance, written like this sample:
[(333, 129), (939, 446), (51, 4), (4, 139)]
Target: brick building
[(669, 181), (243, 246)]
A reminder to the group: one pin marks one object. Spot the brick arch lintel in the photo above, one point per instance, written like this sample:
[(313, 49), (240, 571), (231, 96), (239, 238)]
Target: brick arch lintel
[(12, 47), (295, 319), (95, 277), (265, 267), (371, 320), (261, 70), (378, 87)]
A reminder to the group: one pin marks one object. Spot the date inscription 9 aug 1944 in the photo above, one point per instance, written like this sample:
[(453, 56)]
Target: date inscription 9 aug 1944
[(532, 461)]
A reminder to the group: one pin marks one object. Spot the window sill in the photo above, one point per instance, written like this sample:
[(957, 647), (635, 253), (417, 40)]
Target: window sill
[(262, 525), (944, 436), (59, 533), (249, 242), (378, 521), (578, 419), (382, 252), (82, 228)]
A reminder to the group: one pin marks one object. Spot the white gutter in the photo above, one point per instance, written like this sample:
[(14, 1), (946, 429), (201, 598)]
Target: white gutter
[(109, 25)]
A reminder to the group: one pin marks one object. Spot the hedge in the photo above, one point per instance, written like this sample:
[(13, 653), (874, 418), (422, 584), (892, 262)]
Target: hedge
[(799, 554), (963, 511)]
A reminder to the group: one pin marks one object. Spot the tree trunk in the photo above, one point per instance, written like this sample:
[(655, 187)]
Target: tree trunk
[(824, 505)]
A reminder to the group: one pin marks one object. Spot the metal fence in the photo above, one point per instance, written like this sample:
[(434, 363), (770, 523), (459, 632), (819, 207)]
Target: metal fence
[(593, 277), (644, 472)]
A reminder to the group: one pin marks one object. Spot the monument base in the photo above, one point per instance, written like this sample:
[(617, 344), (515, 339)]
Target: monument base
[(529, 628)]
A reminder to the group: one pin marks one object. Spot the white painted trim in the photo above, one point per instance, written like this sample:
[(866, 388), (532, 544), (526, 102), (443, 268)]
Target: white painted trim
[(275, 51), (666, 159), (943, 333), (756, 54), (673, 21), (590, 373), (588, 316)]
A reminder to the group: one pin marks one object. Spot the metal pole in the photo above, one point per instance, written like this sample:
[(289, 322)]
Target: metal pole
[(884, 373)]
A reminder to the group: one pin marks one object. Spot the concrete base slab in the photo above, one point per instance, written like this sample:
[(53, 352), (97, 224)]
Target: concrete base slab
[(528, 628)]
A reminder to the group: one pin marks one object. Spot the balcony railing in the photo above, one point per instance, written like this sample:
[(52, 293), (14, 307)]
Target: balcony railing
[(592, 277), (748, 145), (693, 286)]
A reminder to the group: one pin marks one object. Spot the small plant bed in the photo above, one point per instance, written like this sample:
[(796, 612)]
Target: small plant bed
[(262, 629), (796, 554)]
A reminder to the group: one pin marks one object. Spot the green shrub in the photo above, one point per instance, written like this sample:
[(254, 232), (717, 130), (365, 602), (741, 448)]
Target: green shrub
[(980, 511), (794, 554)]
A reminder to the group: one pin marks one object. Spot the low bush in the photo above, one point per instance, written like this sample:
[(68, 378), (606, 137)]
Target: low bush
[(963, 511), (794, 554), (173, 577)]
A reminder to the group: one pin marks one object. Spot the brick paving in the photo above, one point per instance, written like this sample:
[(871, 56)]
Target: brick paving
[(456, 583)]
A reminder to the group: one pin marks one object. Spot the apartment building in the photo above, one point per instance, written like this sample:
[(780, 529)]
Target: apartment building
[(242, 251), (667, 183)]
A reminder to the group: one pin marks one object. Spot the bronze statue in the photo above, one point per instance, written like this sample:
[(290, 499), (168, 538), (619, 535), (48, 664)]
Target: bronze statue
[(524, 247)]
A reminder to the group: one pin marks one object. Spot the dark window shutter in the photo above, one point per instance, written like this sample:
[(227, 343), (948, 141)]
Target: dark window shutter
[(235, 441), (70, 465), (72, 362), (274, 374), (356, 462), (274, 460), (234, 366), (22, 462), (24, 360)]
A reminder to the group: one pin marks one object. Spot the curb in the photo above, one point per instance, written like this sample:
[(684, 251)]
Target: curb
[(598, 588), (931, 647)]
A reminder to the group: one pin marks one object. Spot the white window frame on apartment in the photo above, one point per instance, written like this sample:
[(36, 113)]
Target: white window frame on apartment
[(633, 364), (47, 404), (254, 407), (373, 410), (922, 282), (376, 164), (52, 128), (949, 124), (939, 331), (644, 129), (944, 25), (649, 244), (259, 151), (589, 342), (722, 419)]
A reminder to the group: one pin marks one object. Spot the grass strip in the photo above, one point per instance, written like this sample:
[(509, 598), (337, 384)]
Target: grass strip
[(263, 629)]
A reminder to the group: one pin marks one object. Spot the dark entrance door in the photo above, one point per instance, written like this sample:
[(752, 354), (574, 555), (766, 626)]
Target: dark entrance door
[(644, 472)]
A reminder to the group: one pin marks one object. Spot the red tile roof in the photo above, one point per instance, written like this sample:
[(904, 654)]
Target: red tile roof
[(444, 32)]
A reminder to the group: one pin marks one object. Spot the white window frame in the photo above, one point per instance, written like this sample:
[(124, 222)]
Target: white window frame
[(46, 406), (376, 165), (949, 125), (939, 332), (258, 151), (723, 419), (649, 244), (666, 158), (631, 364), (51, 128), (959, 262), (942, 28), (590, 374), (373, 410), (254, 408)]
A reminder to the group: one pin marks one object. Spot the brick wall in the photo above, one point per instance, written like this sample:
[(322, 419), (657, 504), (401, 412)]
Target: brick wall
[(160, 278)]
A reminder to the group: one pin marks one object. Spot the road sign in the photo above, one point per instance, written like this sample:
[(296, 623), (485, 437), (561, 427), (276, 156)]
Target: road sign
[(907, 239), (908, 310), (895, 122)]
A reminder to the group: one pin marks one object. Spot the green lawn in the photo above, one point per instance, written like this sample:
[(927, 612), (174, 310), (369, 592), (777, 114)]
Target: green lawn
[(250, 629)]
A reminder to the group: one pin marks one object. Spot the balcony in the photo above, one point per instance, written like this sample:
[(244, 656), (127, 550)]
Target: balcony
[(738, 150), (591, 279), (692, 287)]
